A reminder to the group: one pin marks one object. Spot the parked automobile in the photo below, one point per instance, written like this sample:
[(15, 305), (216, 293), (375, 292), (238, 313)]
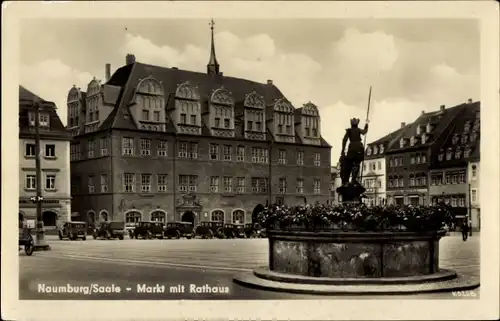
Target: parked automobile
[(209, 229), (129, 228), (239, 231), (110, 230), (250, 230), (149, 230), (73, 231), (26, 241), (179, 229)]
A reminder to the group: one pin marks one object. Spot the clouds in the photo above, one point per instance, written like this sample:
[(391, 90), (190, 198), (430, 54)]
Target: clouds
[(255, 57), (51, 80), (330, 63)]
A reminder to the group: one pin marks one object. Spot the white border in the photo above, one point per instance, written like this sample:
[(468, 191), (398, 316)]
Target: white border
[(484, 308)]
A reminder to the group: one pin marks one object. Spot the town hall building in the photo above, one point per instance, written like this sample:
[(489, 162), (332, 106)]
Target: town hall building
[(165, 144)]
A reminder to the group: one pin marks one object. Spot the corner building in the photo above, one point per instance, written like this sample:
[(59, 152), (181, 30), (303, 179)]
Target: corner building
[(54, 163), (157, 143)]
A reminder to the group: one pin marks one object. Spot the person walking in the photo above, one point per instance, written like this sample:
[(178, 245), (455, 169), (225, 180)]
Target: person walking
[(465, 230)]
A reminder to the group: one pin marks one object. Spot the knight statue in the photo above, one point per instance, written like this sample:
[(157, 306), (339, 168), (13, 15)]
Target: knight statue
[(350, 163)]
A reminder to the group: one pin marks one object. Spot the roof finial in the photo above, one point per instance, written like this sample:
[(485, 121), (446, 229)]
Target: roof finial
[(213, 65)]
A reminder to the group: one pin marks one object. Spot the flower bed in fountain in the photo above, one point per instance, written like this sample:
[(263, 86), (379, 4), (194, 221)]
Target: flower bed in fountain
[(352, 241)]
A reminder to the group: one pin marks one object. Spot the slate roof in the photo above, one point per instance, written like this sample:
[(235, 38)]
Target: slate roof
[(457, 129), (128, 77), (385, 141), (440, 120), (56, 128)]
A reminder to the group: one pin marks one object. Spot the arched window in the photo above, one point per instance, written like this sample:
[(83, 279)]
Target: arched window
[(103, 216), (238, 217), (133, 217), (158, 216), (218, 216)]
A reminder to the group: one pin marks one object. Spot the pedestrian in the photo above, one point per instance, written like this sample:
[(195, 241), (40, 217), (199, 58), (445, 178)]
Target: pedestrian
[(465, 230)]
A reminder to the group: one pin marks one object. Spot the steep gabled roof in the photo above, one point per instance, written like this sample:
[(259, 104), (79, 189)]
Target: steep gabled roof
[(440, 120), (56, 128), (453, 140), (385, 141), (129, 76)]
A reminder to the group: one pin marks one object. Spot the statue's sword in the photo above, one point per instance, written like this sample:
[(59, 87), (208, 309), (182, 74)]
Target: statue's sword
[(364, 139)]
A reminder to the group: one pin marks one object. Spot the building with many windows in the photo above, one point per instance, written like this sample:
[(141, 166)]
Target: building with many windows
[(158, 143), (408, 156), (54, 159), (374, 168), (454, 167)]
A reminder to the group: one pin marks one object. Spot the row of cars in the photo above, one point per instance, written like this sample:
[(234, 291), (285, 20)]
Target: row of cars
[(160, 230)]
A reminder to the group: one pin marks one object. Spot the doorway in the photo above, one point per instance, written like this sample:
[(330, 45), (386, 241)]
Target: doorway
[(188, 217)]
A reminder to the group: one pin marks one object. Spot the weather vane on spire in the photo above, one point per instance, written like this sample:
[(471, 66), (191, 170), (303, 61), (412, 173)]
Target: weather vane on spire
[(212, 24), (213, 65)]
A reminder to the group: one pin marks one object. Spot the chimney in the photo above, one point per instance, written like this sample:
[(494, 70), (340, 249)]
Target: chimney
[(442, 107), (403, 124), (269, 81), (130, 59), (423, 112), (108, 72), (469, 101)]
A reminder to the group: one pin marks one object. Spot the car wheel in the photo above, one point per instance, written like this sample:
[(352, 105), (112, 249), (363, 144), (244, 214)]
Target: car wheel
[(84, 238), (178, 234), (28, 249), (120, 237)]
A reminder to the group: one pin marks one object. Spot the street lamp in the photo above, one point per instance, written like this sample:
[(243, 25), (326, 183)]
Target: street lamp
[(40, 233)]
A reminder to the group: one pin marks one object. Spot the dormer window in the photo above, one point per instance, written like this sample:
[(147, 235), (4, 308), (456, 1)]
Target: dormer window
[(473, 136), (454, 140), (412, 141), (402, 143), (467, 151), (449, 153), (477, 124), (424, 138), (428, 128), (467, 126), (375, 150), (43, 119), (381, 148), (310, 121), (441, 156), (458, 153), (418, 130), (464, 138), (369, 151)]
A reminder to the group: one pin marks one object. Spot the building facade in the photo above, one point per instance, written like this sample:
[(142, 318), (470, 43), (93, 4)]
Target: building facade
[(157, 143), (408, 156), (54, 159), (454, 167), (374, 170)]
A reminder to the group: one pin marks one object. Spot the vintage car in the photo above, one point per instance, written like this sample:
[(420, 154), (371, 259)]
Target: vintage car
[(129, 228), (209, 229), (73, 231), (149, 230), (250, 230), (26, 241), (239, 231), (179, 229), (110, 230)]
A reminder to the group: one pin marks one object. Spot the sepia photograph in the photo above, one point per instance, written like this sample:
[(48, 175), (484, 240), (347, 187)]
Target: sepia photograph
[(209, 155)]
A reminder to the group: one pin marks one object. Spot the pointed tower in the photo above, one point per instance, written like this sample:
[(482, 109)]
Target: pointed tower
[(213, 65)]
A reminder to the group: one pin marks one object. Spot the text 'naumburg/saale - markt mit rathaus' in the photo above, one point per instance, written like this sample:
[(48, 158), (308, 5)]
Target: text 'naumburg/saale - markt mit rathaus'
[(158, 143)]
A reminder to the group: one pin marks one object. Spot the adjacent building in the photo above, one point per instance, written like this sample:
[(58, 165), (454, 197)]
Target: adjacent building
[(407, 163), (374, 170), (454, 167), (54, 158), (158, 143)]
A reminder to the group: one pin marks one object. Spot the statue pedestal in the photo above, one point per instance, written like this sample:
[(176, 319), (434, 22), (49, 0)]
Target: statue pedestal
[(351, 192)]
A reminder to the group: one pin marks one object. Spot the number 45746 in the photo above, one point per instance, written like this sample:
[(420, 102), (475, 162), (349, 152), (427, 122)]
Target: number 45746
[(464, 293)]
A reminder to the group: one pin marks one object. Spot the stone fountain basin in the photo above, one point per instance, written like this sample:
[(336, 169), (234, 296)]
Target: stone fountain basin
[(362, 255)]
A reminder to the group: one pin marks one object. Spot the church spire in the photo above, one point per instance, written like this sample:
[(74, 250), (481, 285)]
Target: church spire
[(213, 65)]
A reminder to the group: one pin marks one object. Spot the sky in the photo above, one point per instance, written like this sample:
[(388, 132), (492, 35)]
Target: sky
[(413, 65)]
